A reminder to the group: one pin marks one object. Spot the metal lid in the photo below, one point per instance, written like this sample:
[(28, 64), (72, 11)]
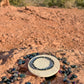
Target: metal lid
[(44, 65)]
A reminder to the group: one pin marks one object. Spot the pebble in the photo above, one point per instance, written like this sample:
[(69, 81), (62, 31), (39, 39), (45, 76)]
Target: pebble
[(71, 78), (37, 54), (28, 56), (34, 54), (8, 81), (23, 62), (65, 79), (69, 68), (25, 57), (20, 61), (14, 69), (4, 78), (65, 62), (9, 71), (15, 75), (59, 58), (65, 74), (64, 67), (74, 76), (22, 75), (73, 66), (31, 56), (27, 83), (13, 78)]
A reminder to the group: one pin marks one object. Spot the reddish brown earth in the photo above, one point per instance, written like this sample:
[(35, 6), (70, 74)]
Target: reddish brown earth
[(41, 29)]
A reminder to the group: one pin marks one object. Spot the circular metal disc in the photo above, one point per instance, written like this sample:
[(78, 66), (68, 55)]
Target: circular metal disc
[(44, 65)]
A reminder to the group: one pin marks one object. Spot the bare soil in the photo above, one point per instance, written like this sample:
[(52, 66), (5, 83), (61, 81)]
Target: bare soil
[(41, 29)]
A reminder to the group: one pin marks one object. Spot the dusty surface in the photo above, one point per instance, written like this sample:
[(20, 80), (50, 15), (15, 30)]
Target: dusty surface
[(41, 30)]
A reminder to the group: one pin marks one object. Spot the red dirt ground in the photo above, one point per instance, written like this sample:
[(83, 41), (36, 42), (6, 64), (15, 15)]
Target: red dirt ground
[(41, 29)]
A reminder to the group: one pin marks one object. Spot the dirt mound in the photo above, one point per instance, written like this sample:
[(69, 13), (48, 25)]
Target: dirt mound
[(40, 29)]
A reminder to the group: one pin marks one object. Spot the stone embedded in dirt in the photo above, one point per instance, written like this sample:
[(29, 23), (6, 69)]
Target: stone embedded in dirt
[(8, 81), (23, 62), (27, 83), (14, 69), (9, 71), (14, 78), (25, 57), (22, 75), (73, 66), (15, 74), (4, 78), (64, 67), (74, 76), (65, 62), (20, 61), (65, 79)]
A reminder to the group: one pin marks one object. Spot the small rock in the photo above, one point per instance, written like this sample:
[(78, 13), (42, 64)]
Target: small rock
[(28, 56), (73, 66), (64, 67), (37, 53), (20, 61), (15, 75), (8, 81), (65, 79), (65, 62), (23, 62), (22, 75), (71, 78), (72, 50), (4, 79), (9, 71), (14, 69), (27, 83), (25, 57), (65, 74), (74, 76)]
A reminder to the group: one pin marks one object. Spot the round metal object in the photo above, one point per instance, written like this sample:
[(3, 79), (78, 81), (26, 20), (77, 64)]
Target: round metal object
[(44, 65)]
